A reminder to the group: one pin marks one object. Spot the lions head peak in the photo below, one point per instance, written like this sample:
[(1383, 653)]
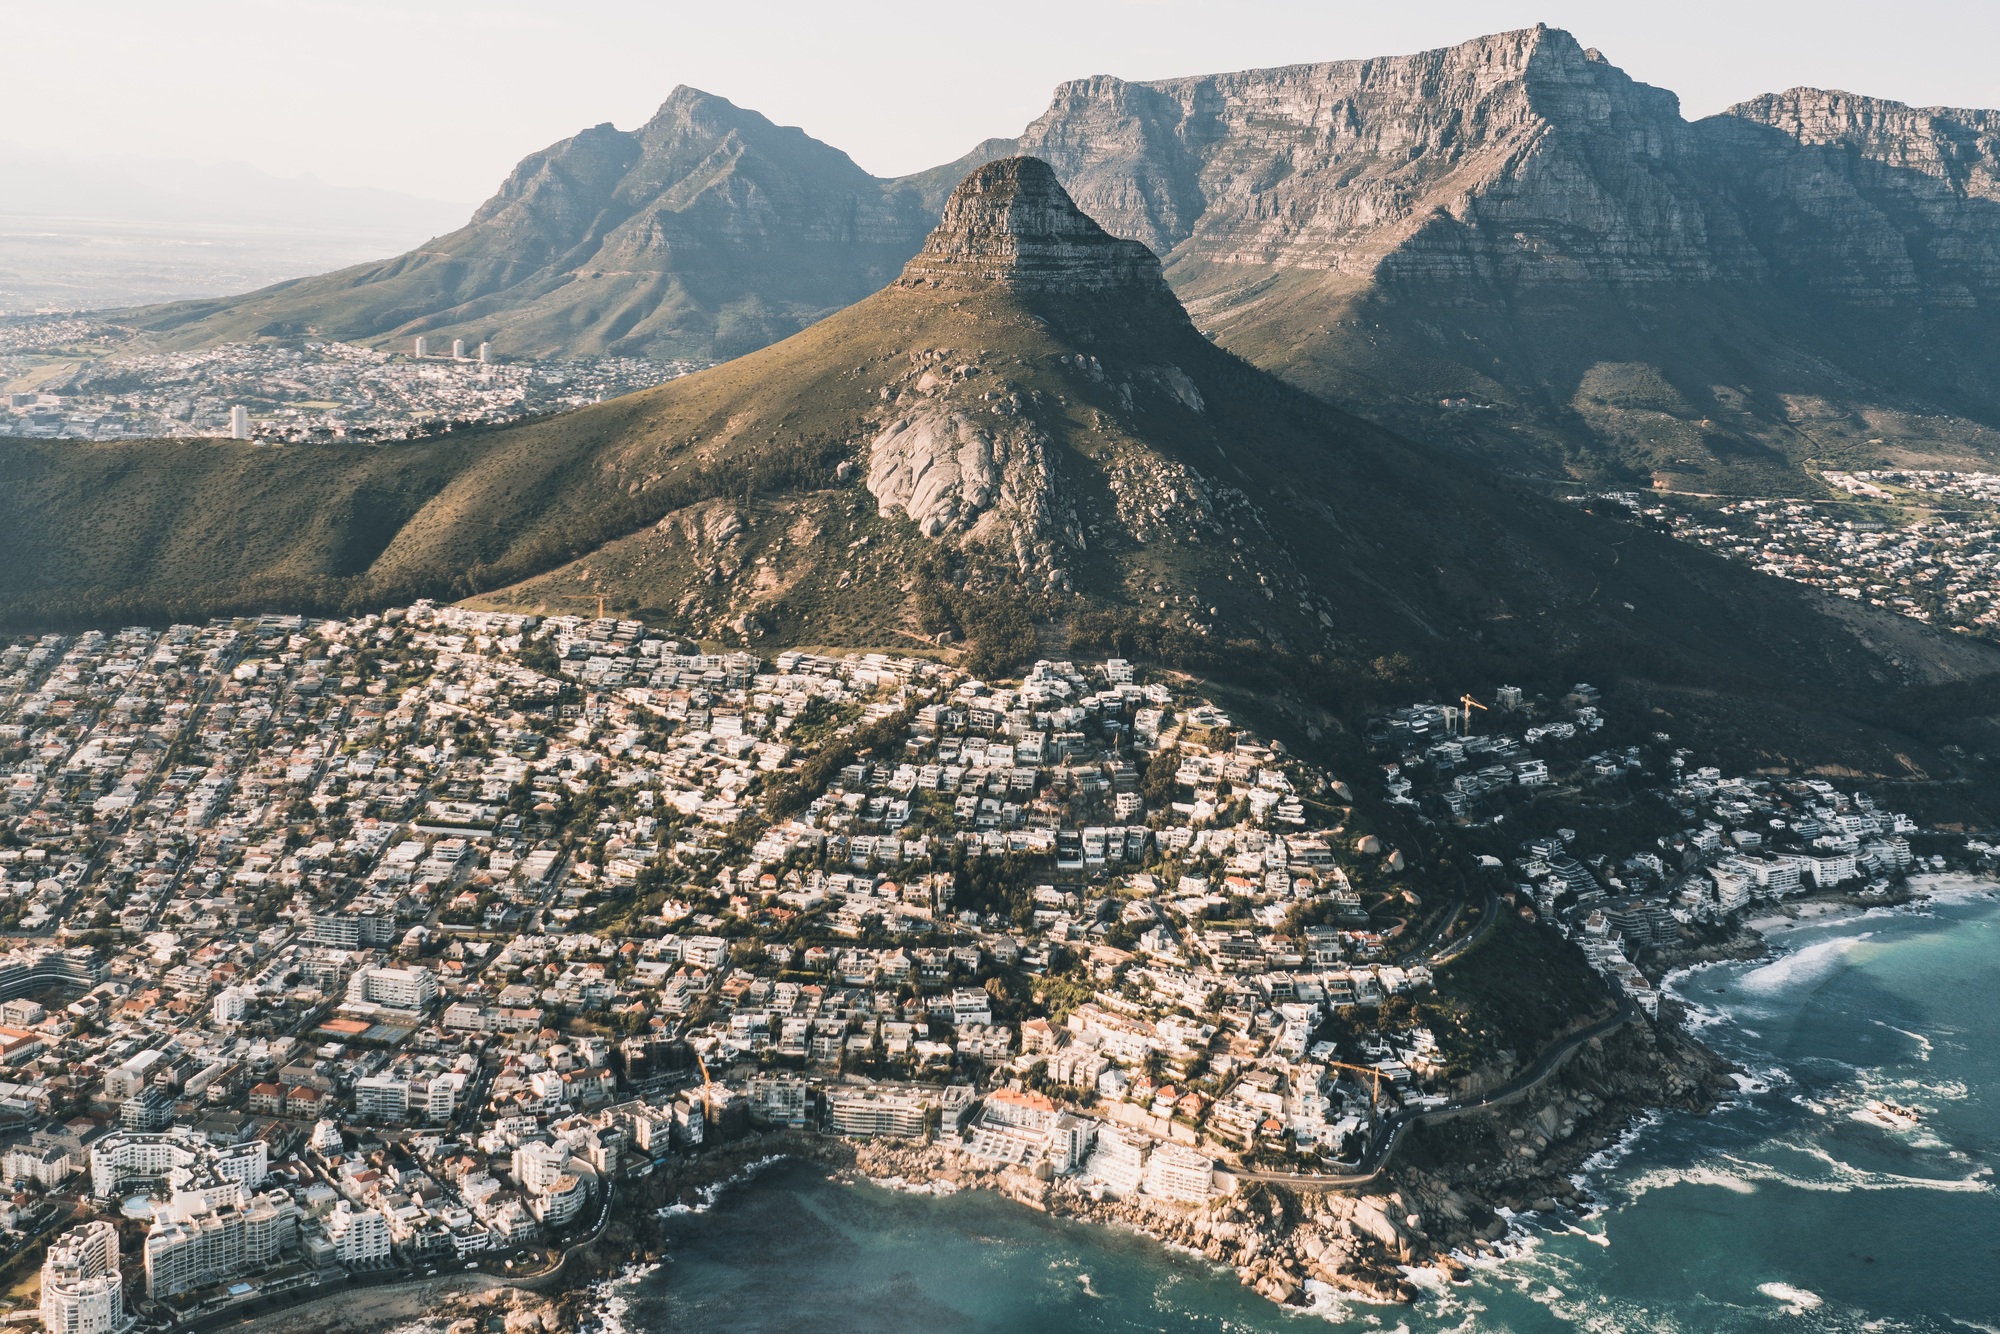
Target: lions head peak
[(1011, 223)]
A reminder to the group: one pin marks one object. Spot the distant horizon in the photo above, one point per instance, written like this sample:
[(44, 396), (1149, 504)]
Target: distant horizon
[(440, 101)]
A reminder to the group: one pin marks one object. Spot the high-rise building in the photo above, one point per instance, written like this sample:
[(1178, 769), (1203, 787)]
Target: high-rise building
[(150, 1109), (458, 349), (230, 1007), (485, 353), (359, 1236), (423, 346), (82, 1290), (202, 1237), (239, 423)]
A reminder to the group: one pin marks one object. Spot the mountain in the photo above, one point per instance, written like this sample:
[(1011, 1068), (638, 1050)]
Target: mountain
[(1512, 245), (706, 232), (1021, 446), (1507, 245)]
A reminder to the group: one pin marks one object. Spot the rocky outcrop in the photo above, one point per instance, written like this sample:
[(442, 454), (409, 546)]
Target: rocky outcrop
[(1871, 202), (1519, 156), (1523, 159), (1011, 223), (938, 469)]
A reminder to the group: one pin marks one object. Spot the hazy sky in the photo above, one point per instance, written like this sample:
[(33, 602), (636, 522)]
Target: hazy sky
[(440, 98)]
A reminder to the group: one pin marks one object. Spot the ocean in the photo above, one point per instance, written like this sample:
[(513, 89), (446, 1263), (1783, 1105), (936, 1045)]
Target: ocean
[(1850, 1186)]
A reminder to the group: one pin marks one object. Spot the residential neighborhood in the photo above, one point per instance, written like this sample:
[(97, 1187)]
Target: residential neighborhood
[(340, 947), (1927, 546)]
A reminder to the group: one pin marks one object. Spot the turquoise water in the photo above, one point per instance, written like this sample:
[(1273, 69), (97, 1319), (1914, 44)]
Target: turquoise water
[(1795, 1208)]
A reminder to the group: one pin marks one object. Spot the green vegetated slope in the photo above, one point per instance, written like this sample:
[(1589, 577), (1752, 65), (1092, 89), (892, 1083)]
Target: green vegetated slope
[(1153, 494)]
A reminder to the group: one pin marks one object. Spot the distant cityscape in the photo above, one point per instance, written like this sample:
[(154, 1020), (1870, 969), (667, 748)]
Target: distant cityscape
[(68, 379)]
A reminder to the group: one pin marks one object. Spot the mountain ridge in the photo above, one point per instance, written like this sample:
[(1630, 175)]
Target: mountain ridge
[(1021, 446), (706, 232), (1507, 245)]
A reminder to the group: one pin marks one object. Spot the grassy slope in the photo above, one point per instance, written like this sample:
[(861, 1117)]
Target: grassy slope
[(1368, 543)]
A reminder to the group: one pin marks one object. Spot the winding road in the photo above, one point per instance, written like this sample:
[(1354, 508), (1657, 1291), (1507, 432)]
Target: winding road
[(1376, 1161)]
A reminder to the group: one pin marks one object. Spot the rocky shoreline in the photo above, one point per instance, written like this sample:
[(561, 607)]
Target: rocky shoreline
[(1444, 1192), (1445, 1198)]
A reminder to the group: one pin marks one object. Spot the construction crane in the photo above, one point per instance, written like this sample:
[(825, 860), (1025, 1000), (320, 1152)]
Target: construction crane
[(1465, 727), (600, 606), (706, 1082), (1374, 1074)]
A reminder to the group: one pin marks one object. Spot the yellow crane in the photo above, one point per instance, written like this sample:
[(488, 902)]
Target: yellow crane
[(705, 1080), (1470, 704)]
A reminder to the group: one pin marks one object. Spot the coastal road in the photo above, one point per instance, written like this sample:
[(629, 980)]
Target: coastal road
[(1376, 1161)]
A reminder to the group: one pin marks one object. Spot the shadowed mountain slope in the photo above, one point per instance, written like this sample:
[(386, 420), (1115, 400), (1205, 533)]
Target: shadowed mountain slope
[(1506, 245), (1510, 244), (1022, 445)]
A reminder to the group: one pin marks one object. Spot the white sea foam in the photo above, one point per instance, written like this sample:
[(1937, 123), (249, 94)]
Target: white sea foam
[(1796, 1301), (1809, 964), (706, 1196), (1746, 1176), (1739, 1179), (613, 1300), (1924, 1044), (1618, 1150)]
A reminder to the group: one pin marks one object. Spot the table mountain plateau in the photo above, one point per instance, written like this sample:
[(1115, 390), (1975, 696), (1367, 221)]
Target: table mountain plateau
[(1021, 446), (1507, 244)]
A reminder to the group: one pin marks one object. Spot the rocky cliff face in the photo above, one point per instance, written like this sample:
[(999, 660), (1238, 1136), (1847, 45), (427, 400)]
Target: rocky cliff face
[(1012, 224), (1866, 201), (1512, 245), (1518, 155), (1508, 244), (1523, 159)]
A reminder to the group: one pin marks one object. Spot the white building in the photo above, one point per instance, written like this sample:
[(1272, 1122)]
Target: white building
[(381, 1098), (197, 1240), (125, 1156), (124, 1081), (239, 423), (230, 1007), (1118, 1161), (395, 988), (82, 1290), (563, 1201), (537, 1164), (1176, 1172), (326, 1139), (359, 1236), (48, 1165)]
